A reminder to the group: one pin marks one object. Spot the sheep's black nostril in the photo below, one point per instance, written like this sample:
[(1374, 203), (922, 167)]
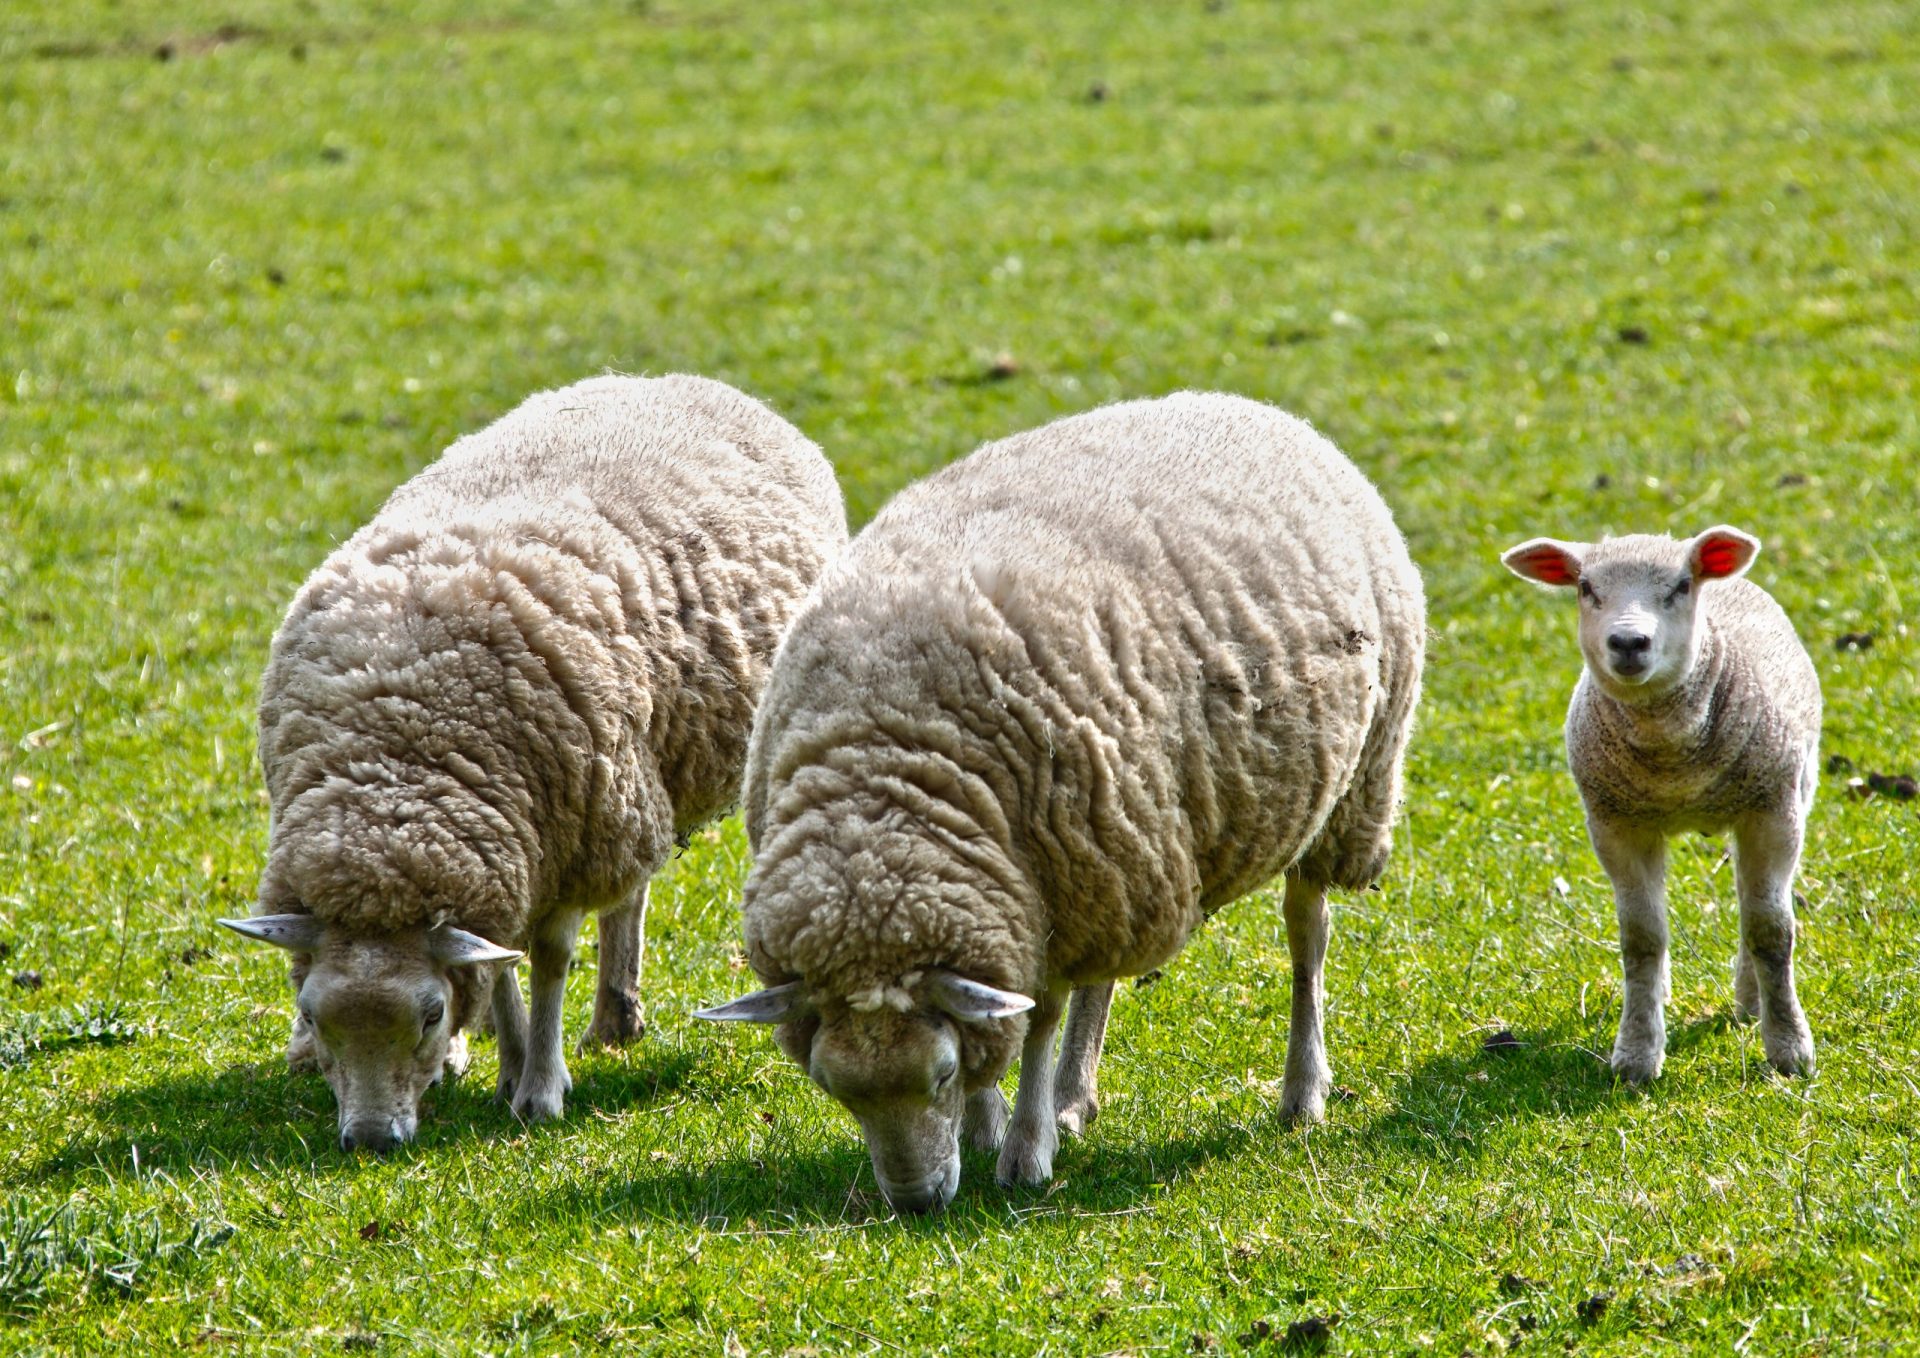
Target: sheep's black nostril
[(1630, 643), (346, 1141)]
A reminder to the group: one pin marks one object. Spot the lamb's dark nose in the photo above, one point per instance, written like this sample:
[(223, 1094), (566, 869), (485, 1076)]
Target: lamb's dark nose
[(1629, 643), (376, 1137)]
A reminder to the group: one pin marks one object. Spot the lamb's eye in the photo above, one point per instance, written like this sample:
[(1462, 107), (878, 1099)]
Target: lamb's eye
[(1679, 592), (430, 1017), (1586, 592)]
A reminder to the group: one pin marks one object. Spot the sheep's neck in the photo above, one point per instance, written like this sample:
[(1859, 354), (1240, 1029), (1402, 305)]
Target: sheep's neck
[(1682, 720)]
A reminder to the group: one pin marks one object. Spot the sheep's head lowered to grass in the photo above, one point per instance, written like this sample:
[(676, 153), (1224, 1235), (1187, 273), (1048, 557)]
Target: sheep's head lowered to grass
[(897, 1057), (383, 1011), (1639, 599)]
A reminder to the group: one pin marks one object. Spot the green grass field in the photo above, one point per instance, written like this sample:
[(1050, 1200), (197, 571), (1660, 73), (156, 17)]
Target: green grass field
[(1538, 267)]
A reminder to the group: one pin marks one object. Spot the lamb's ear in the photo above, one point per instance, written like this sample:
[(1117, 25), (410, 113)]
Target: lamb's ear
[(971, 1002), (1722, 553), (295, 933), (458, 948), (771, 1005), (1547, 560)]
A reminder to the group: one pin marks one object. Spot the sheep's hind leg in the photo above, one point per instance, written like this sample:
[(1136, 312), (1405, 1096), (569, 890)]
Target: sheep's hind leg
[(1766, 852), (1636, 863), (510, 1030), (1303, 1094), (543, 1088), (1076, 1101), (616, 999), (1026, 1156)]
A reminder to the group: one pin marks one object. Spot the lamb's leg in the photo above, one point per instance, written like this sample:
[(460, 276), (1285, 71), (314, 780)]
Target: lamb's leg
[(302, 1055), (1636, 862), (510, 1031), (1303, 1094), (1766, 852), (1026, 1156), (1076, 1102), (985, 1124), (543, 1088), (1746, 986), (616, 996)]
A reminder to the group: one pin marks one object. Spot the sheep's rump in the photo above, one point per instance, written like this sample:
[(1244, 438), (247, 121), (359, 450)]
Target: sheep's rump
[(1180, 640), (540, 660)]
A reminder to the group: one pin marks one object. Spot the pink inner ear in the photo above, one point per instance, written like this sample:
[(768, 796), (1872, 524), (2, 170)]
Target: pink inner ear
[(1548, 566), (1718, 557)]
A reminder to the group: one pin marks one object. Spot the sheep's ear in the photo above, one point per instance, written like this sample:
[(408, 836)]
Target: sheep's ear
[(295, 933), (1722, 553), (458, 948), (1547, 560), (771, 1005), (971, 1002)]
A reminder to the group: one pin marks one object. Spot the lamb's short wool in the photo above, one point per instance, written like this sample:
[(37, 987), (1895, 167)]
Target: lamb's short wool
[(1698, 709), (1058, 704), (495, 707)]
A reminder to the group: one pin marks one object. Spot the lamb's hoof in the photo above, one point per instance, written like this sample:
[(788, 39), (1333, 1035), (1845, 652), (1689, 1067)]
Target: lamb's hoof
[(1638, 1066), (985, 1123), (540, 1102), (1074, 1118), (1306, 1108), (303, 1057), (458, 1057), (614, 1027), (1026, 1162), (1790, 1051)]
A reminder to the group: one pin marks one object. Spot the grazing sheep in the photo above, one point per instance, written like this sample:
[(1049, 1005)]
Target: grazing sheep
[(496, 706), (1698, 710), (1057, 705)]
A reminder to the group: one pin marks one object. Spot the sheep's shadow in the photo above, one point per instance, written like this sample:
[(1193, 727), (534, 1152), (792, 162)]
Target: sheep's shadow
[(261, 1115)]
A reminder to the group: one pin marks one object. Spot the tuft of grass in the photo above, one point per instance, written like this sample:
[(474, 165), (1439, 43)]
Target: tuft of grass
[(1538, 267)]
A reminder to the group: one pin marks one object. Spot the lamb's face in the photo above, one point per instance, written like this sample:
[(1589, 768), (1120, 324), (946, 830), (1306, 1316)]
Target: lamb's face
[(1639, 600), (379, 1014), (900, 1077)]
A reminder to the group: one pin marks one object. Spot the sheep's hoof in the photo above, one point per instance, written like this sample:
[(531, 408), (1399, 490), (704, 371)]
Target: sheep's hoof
[(1026, 1161), (985, 1124), (1789, 1051), (615, 1024), (1746, 991), (1638, 1067), (1076, 1116), (540, 1102), (458, 1057), (302, 1056)]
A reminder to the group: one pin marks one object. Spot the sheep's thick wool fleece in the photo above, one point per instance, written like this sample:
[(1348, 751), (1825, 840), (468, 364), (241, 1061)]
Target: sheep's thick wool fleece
[(1739, 735), (540, 661), (1065, 698)]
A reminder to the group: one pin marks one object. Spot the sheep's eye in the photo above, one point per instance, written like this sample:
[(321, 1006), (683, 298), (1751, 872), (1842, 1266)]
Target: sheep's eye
[(944, 1077), (1586, 592), (1679, 591), (431, 1016)]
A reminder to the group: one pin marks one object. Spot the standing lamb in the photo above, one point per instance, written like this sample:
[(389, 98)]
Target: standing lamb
[(1057, 705), (1698, 710), (496, 707)]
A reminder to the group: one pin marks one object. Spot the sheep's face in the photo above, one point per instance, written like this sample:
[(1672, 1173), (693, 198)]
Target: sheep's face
[(902, 1059), (1639, 600), (379, 1014)]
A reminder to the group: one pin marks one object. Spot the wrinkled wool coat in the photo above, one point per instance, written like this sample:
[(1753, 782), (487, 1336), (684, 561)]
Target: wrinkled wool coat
[(539, 662), (1067, 697)]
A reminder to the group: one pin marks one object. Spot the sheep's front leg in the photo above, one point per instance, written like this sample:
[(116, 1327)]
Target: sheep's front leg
[(1026, 1156), (616, 997), (984, 1125), (1076, 1103), (1303, 1094), (1766, 852), (544, 1085), (1636, 862), (510, 1031)]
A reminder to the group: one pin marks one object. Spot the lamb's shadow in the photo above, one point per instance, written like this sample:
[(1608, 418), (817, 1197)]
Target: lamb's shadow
[(260, 1115)]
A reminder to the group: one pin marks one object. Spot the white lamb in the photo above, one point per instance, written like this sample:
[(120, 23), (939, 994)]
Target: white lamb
[(1057, 705), (1698, 710), (495, 707)]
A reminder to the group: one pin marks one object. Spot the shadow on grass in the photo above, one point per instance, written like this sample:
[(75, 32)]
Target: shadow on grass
[(263, 1116)]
